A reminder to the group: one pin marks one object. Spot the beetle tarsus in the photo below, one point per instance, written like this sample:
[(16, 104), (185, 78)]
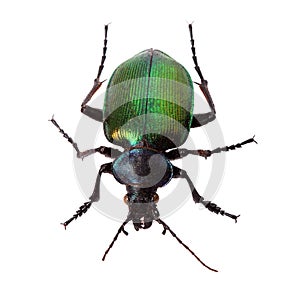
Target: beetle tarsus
[(194, 53), (64, 224), (182, 152), (107, 151), (179, 173), (97, 82), (233, 147), (203, 84), (217, 210), (231, 216), (65, 135), (254, 139), (82, 210)]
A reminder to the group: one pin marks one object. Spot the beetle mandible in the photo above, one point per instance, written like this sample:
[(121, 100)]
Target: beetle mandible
[(148, 111)]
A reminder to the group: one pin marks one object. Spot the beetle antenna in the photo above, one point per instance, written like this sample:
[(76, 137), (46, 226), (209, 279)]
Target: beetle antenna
[(166, 227), (121, 229)]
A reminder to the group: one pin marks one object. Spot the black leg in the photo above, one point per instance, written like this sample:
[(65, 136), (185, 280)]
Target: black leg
[(201, 119), (106, 168), (181, 152), (107, 151), (179, 173), (95, 113)]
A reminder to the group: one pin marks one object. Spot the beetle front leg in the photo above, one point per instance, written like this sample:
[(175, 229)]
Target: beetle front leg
[(105, 168), (179, 173), (182, 152), (94, 113)]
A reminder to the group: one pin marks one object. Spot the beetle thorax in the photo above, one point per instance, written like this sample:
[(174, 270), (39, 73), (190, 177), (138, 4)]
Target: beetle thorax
[(142, 168)]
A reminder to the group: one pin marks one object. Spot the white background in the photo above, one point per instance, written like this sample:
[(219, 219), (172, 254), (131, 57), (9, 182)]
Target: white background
[(249, 52)]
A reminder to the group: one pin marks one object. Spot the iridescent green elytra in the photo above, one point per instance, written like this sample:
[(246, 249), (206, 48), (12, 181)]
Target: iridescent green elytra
[(149, 99)]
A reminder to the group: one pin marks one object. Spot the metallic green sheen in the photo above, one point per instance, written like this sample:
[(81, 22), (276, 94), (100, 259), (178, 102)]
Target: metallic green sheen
[(149, 101)]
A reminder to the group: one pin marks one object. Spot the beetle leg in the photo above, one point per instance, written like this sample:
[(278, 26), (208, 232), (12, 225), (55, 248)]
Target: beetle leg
[(105, 168), (91, 112), (107, 151), (226, 148), (179, 173), (182, 152), (65, 135), (201, 119)]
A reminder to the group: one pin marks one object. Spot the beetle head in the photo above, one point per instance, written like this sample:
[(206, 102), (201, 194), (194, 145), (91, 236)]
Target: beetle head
[(142, 208)]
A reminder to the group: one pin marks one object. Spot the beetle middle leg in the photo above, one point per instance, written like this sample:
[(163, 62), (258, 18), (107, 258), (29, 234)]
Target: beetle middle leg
[(105, 168), (182, 152), (95, 113), (179, 173), (107, 151)]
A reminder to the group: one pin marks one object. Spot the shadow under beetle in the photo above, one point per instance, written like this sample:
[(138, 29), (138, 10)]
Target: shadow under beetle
[(148, 111)]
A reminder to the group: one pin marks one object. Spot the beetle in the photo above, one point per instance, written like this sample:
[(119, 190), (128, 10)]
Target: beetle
[(148, 111)]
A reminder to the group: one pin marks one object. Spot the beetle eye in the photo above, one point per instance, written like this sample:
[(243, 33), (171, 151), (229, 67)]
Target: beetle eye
[(126, 199), (155, 198)]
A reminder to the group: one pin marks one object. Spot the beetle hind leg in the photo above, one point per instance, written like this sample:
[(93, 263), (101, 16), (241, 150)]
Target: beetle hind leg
[(94, 113), (201, 119)]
